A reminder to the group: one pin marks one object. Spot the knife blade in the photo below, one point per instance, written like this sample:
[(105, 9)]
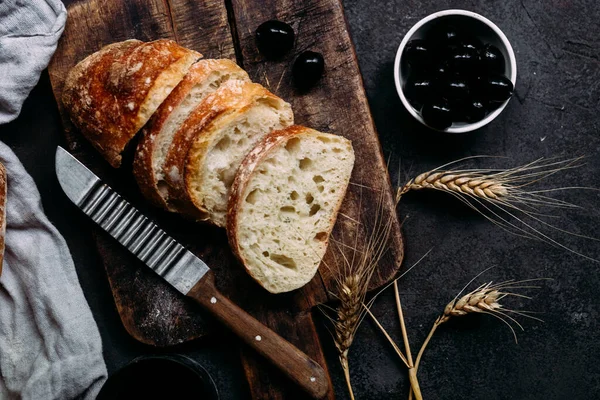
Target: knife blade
[(180, 268)]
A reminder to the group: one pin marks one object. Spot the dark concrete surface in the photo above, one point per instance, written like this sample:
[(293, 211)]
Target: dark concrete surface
[(556, 112)]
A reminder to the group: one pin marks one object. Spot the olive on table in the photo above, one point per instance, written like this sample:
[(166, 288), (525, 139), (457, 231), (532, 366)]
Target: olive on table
[(437, 114), (418, 53), (274, 38), (308, 68), (492, 59), (497, 88)]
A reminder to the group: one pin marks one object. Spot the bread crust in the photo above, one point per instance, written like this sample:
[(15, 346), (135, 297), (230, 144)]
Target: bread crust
[(234, 96), (240, 184), (110, 94), (143, 169), (201, 145)]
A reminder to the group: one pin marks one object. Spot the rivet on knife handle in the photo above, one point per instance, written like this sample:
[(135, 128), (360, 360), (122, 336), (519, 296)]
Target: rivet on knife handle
[(182, 269)]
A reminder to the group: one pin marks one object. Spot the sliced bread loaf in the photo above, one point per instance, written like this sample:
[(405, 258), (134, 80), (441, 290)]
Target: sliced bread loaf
[(213, 141), (203, 78), (284, 202), (112, 93)]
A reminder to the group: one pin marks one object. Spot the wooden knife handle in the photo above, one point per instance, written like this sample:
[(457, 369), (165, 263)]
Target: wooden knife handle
[(300, 368)]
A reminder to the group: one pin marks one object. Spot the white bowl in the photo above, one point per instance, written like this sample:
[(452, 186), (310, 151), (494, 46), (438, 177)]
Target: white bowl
[(483, 29)]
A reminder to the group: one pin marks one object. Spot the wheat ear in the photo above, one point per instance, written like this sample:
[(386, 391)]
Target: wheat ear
[(503, 196), (352, 274), (485, 299)]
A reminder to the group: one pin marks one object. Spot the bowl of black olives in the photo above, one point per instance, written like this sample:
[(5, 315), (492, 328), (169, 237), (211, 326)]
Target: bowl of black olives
[(455, 71)]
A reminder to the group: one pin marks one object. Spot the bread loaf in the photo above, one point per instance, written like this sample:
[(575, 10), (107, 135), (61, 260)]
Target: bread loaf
[(284, 202), (203, 78), (112, 93), (213, 141)]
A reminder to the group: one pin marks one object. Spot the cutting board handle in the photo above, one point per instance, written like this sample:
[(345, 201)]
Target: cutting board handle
[(300, 368)]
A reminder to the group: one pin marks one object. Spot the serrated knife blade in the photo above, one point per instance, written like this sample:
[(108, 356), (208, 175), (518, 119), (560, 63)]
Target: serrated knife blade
[(131, 228), (182, 269)]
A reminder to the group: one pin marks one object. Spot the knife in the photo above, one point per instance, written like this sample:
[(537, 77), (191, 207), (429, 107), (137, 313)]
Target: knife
[(180, 268)]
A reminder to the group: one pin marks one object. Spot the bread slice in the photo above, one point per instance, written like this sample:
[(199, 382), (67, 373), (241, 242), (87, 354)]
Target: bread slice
[(203, 78), (212, 143), (112, 93), (284, 203)]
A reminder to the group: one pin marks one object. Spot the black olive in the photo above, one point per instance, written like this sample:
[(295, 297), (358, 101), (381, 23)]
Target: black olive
[(497, 88), (440, 71), (437, 114), (464, 61), (456, 90), (308, 68), (474, 110), (274, 38), (492, 59), (471, 42), (418, 53), (418, 90), (442, 35)]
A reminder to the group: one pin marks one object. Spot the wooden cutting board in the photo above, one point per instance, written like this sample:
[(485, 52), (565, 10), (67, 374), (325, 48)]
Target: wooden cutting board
[(151, 311)]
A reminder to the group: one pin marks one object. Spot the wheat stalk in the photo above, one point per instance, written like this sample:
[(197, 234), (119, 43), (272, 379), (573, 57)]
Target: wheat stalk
[(504, 196), (485, 299), (352, 274)]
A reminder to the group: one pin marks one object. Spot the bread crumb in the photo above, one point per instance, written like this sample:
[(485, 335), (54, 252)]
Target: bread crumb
[(174, 174), (131, 105)]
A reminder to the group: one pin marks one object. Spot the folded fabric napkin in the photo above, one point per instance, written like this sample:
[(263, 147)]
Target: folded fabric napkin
[(29, 32), (50, 347)]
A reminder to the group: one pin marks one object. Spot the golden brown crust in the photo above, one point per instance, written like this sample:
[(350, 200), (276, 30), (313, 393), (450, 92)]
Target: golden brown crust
[(3, 187), (143, 164), (242, 178), (110, 94), (201, 145), (233, 96)]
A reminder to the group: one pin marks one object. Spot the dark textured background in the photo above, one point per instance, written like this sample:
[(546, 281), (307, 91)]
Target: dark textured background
[(555, 112)]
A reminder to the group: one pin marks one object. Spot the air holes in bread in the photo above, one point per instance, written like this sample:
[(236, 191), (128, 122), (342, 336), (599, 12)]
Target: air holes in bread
[(283, 260), (223, 144), (321, 236), (314, 209), (292, 145), (294, 195), (252, 196), (309, 198), (287, 209), (305, 163), (318, 179)]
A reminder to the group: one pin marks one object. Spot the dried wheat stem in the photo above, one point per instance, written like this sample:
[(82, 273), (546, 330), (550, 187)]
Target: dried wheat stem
[(412, 373), (346, 368), (387, 336), (348, 318), (503, 196), (484, 300)]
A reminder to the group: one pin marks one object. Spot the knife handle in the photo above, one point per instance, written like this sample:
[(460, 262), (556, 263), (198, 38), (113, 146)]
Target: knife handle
[(300, 368)]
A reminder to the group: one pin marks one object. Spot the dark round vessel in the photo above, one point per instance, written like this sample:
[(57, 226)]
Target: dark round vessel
[(174, 377)]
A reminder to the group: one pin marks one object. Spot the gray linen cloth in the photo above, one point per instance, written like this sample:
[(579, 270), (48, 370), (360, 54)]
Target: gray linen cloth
[(29, 32), (50, 347)]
